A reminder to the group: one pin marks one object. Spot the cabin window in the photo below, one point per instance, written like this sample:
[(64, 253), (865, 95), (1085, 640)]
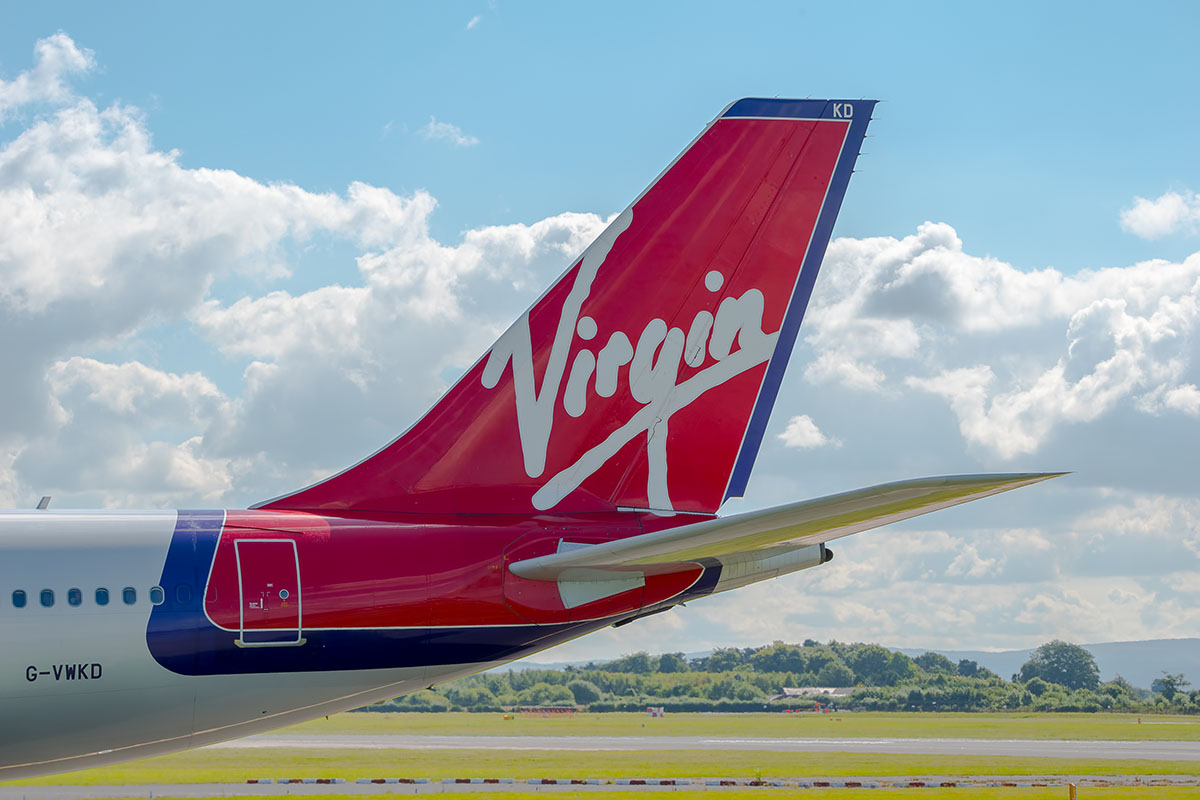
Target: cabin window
[(129, 595), (74, 597), (102, 597), (19, 598), (156, 595), (47, 597), (183, 594)]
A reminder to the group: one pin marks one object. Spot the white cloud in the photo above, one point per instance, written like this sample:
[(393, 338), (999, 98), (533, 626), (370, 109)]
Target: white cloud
[(446, 132), (473, 21), (166, 231), (1186, 583), (367, 360), (971, 564), (12, 492), (135, 392), (324, 321), (1169, 527), (55, 58), (1170, 212), (1185, 398), (803, 433), (1025, 541), (1016, 355), (124, 435), (102, 235)]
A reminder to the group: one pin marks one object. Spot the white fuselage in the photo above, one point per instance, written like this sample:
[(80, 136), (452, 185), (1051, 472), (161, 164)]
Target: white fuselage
[(78, 685)]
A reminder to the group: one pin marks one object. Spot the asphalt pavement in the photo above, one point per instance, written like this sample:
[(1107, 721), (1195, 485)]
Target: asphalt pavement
[(1022, 748)]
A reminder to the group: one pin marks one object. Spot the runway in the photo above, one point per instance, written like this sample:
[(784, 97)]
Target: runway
[(1021, 748)]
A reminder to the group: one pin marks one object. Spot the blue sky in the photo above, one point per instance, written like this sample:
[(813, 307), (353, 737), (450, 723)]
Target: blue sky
[(1032, 124), (243, 246)]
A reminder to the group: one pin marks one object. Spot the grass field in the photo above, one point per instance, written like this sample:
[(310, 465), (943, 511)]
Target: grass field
[(1106, 727), (236, 766), (1148, 792)]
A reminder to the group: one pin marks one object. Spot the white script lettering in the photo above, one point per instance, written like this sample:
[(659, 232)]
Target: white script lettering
[(652, 377)]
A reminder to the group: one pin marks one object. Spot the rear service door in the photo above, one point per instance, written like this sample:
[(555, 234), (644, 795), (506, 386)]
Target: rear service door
[(269, 592)]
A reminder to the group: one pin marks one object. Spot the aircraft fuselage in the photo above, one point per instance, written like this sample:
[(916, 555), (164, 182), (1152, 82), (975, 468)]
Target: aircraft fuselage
[(154, 631)]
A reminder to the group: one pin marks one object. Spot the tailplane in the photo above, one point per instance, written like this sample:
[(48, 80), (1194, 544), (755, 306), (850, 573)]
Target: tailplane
[(644, 377)]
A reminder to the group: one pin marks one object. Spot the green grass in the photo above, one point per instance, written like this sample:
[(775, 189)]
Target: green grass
[(1100, 793), (1106, 727), (236, 766)]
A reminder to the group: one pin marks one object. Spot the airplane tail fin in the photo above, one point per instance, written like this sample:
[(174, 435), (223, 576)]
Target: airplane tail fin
[(644, 377)]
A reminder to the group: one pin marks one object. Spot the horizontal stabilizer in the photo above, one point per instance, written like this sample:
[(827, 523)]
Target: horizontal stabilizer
[(792, 526)]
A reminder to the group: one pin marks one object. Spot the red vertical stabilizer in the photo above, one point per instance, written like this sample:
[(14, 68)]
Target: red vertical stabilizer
[(645, 375)]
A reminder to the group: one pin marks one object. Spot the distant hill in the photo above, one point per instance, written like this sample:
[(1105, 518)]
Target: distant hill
[(1137, 662)]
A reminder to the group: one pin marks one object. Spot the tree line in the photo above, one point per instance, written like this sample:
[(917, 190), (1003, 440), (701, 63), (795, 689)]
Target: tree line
[(1059, 676)]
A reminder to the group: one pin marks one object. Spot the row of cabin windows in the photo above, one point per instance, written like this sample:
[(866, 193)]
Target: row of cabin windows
[(75, 597)]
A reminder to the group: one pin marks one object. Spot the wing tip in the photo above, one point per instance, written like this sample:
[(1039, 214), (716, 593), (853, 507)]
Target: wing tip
[(1037, 477)]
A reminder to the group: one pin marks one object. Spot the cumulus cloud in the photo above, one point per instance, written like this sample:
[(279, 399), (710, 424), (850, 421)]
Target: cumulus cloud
[(446, 132), (104, 235), (125, 434), (166, 231), (1015, 354), (55, 58), (367, 360), (803, 433), (1185, 398), (1169, 526), (1170, 212)]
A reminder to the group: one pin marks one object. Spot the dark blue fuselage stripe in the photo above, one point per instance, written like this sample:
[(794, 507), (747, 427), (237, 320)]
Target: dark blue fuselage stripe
[(189, 559), (189, 648), (704, 585)]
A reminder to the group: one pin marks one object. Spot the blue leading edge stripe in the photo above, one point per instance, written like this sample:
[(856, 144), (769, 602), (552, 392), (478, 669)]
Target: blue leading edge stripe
[(858, 112)]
